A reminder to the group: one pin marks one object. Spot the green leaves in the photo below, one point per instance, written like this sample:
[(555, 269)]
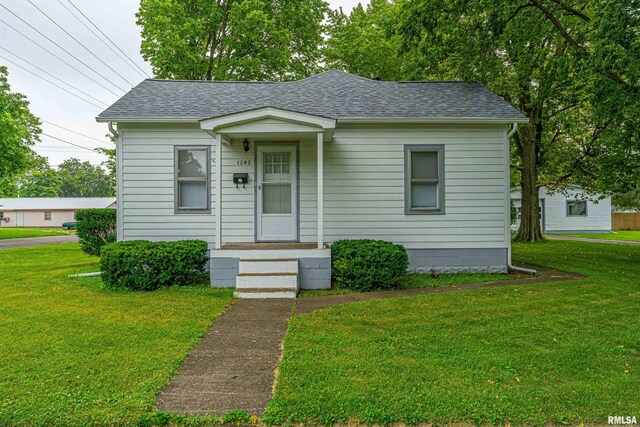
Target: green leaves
[(232, 39), (19, 130)]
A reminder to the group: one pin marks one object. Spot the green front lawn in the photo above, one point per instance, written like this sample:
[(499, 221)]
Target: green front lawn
[(616, 235), (16, 233), (419, 280), (564, 352), (74, 353)]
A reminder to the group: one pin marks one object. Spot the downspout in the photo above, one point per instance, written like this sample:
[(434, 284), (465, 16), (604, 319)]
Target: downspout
[(513, 130), (113, 131)]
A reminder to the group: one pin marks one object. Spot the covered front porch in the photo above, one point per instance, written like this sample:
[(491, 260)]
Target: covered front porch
[(268, 202)]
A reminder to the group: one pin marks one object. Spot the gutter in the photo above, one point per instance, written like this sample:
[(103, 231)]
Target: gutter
[(510, 266)]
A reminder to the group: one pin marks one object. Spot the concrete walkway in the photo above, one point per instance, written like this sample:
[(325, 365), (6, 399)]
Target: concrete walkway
[(234, 365), (36, 241), (585, 239)]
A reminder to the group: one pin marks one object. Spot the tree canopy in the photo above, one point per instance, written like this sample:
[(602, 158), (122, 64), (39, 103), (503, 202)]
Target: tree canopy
[(570, 66), (19, 130), (232, 39), (82, 179)]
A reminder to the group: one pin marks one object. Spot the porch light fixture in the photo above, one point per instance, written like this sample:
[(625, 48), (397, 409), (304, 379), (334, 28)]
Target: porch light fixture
[(245, 144)]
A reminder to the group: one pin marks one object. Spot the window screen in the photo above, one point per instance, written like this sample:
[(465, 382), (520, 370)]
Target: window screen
[(192, 179), (424, 184)]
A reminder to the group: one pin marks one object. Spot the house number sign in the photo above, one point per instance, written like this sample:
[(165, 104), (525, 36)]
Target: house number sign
[(244, 162)]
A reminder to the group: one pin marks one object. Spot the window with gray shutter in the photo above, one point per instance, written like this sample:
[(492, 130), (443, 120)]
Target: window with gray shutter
[(424, 179)]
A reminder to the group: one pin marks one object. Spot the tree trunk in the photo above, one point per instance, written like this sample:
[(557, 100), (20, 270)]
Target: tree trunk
[(530, 230)]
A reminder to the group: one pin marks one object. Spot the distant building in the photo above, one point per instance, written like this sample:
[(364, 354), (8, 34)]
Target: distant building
[(47, 211), (569, 212)]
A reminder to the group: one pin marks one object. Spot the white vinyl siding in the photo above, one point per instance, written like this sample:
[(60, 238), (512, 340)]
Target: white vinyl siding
[(364, 180), (147, 202)]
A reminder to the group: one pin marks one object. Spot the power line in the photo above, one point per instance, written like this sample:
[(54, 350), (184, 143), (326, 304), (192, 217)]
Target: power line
[(52, 83), (57, 57), (124, 58), (61, 48), (78, 133), (80, 43), (70, 143), (51, 75)]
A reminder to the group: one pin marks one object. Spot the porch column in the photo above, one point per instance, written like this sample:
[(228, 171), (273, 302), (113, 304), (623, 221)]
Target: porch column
[(218, 196), (320, 190)]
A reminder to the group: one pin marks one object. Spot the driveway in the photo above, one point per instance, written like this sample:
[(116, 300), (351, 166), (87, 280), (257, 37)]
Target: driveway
[(36, 241), (584, 239)]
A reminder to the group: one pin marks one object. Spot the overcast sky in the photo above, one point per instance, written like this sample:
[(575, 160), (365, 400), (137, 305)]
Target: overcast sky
[(54, 106)]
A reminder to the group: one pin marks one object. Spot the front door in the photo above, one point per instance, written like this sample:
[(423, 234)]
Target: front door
[(276, 193)]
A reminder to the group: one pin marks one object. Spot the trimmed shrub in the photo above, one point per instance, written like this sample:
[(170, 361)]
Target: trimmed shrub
[(142, 265), (95, 228), (368, 265)]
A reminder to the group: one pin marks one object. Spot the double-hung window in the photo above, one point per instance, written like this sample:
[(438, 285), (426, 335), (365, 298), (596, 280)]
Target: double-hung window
[(192, 178), (576, 208), (424, 179), (47, 215)]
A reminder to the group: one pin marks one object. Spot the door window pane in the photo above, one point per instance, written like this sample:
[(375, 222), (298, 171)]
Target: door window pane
[(192, 194), (192, 163), (276, 198), (424, 195)]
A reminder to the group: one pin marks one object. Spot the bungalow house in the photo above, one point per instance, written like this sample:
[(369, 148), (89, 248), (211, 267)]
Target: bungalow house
[(270, 174), (47, 211), (569, 211)]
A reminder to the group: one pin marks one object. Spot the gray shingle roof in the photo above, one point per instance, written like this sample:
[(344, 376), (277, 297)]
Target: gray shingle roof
[(333, 94)]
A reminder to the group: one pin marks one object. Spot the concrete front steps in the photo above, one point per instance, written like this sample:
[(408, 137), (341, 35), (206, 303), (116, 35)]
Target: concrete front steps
[(267, 278)]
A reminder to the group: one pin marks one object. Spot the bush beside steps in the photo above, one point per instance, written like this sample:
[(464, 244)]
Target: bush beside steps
[(146, 266), (368, 265)]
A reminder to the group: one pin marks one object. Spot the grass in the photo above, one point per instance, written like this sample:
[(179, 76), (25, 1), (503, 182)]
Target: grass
[(75, 354), (17, 233), (418, 280), (562, 353), (633, 236)]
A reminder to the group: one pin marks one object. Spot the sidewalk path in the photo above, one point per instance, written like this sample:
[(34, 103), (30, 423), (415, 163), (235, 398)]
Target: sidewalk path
[(36, 241), (234, 365), (585, 239)]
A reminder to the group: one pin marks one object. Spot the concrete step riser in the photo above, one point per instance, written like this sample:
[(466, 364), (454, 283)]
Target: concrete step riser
[(264, 295), (254, 267), (266, 282)]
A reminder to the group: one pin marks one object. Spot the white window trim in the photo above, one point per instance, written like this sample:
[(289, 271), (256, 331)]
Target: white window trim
[(177, 179), (430, 148)]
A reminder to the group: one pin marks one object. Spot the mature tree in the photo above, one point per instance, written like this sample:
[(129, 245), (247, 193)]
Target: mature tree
[(110, 163), (19, 129), (232, 39), (40, 181), (365, 43), (82, 179), (627, 201), (570, 66)]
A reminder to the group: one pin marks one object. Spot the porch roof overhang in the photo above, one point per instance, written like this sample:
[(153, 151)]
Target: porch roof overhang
[(268, 122)]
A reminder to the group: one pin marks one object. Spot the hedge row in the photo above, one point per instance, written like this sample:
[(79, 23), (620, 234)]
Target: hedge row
[(368, 265), (146, 266)]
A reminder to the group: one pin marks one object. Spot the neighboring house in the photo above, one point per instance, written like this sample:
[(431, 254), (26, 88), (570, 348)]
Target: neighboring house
[(569, 211), (269, 174), (47, 211)]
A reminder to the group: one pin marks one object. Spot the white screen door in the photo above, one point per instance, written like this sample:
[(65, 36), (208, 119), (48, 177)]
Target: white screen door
[(276, 198)]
